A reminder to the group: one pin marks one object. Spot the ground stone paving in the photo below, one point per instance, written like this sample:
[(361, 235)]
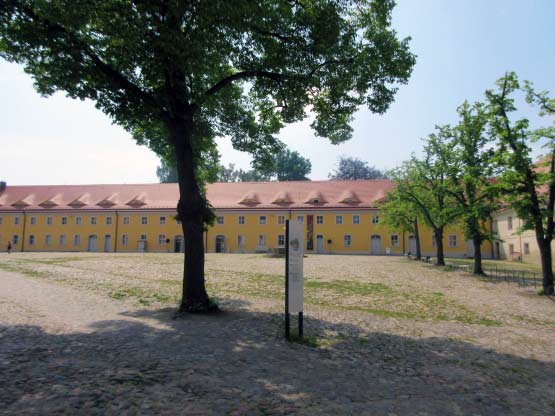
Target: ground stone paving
[(64, 351)]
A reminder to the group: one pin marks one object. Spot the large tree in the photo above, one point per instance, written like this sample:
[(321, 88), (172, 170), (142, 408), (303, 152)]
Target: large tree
[(471, 175), (291, 166), (353, 168), (166, 172), (426, 183), (528, 186), (177, 74)]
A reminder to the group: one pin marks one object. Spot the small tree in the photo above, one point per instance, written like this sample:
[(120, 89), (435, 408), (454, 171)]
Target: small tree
[(352, 168), (400, 214), (425, 183), (471, 175), (178, 74), (166, 173), (529, 187)]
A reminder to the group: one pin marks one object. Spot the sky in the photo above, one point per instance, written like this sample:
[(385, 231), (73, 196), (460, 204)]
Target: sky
[(462, 47)]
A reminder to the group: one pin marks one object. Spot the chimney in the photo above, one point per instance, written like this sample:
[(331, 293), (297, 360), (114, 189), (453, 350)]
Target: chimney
[(2, 186)]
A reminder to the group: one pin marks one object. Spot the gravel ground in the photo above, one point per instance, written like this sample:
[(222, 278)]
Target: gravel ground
[(94, 334)]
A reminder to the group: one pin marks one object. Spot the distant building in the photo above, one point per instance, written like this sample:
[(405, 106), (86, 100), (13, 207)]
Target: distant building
[(338, 216)]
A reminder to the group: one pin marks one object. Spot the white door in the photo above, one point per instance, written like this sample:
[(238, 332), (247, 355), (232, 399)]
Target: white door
[(92, 243), (319, 244), (141, 246), (107, 243), (412, 245), (375, 244)]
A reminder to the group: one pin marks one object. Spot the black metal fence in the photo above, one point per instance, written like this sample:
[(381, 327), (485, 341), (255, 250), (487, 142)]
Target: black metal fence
[(523, 278)]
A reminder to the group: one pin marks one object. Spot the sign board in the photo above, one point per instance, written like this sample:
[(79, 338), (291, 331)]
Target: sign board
[(295, 275)]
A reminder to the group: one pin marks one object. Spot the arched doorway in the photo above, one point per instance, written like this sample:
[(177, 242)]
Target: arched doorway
[(220, 244), (178, 246), (319, 244), (375, 244), (412, 244), (92, 244)]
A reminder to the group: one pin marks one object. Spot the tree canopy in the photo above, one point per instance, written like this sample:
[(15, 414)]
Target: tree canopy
[(178, 74), (352, 168)]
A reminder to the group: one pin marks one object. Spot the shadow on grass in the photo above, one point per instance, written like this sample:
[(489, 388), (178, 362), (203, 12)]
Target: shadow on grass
[(238, 363)]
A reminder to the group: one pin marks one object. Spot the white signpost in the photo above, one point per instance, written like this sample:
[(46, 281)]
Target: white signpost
[(294, 253)]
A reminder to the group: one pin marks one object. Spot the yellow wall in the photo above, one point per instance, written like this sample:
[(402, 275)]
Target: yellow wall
[(231, 228)]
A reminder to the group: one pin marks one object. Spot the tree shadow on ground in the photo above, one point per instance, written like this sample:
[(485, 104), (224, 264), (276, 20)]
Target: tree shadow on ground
[(238, 363)]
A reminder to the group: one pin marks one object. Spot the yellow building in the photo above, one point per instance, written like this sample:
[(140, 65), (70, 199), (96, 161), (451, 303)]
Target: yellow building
[(338, 216)]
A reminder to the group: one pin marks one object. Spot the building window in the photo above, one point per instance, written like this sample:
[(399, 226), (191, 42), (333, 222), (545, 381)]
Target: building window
[(240, 241), (241, 220), (347, 241), (124, 239), (375, 219), (48, 240), (163, 220), (319, 219), (511, 248), (452, 240), (144, 220), (108, 220), (300, 218), (0, 220), (93, 220), (15, 239), (394, 240), (161, 239), (125, 220), (526, 248), (31, 240), (64, 220), (49, 220), (143, 237), (33, 220), (76, 240), (339, 219), (281, 219), (510, 223), (281, 240), (262, 220), (63, 240), (78, 220), (16, 221), (220, 220), (261, 240), (433, 240), (356, 219)]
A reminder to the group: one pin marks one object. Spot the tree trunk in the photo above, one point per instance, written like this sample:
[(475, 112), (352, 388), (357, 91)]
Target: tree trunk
[(417, 237), (477, 242), (547, 266), (438, 232), (191, 210)]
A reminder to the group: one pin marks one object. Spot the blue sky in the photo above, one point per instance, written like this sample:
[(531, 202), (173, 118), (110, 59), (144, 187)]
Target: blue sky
[(462, 48)]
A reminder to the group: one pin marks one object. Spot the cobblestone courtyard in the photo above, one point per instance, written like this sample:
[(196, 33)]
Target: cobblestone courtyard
[(94, 334)]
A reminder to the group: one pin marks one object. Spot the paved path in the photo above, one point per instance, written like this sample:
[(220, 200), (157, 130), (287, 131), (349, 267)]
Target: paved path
[(66, 351)]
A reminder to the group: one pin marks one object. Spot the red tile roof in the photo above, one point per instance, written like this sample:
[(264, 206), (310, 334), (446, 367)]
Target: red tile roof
[(238, 195)]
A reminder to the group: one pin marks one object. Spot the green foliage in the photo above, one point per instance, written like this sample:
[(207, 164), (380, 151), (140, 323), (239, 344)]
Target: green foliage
[(240, 69), (287, 165), (352, 168), (527, 185), (399, 211), (472, 170), (166, 173)]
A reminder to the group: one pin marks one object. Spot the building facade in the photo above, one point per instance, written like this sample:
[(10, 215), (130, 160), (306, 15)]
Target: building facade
[(338, 216)]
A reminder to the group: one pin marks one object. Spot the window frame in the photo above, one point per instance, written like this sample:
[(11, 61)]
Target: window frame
[(262, 219), (452, 240), (220, 220), (126, 220), (347, 240), (144, 220), (339, 220), (319, 219), (396, 242), (356, 219), (241, 220)]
